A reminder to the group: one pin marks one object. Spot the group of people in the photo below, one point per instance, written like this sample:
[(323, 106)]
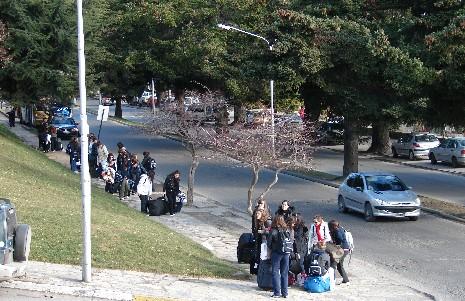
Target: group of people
[(304, 240), (48, 138), (125, 174)]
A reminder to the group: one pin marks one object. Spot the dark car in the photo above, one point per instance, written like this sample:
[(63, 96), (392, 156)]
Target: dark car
[(66, 127)]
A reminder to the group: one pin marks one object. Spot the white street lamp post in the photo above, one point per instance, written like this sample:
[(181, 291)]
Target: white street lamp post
[(85, 176), (228, 27)]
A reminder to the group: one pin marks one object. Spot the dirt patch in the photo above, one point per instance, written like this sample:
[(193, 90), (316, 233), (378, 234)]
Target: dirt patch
[(445, 207)]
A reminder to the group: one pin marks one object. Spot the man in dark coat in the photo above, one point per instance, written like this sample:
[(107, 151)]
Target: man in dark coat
[(171, 187)]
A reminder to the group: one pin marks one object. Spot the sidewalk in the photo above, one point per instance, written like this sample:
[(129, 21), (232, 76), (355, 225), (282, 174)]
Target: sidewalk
[(216, 227)]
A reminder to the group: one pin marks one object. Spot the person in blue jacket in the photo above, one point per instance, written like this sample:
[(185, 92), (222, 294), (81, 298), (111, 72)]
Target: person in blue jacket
[(339, 238)]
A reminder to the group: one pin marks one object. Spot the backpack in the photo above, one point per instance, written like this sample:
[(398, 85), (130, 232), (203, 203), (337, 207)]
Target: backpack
[(285, 242), (350, 240), (319, 263)]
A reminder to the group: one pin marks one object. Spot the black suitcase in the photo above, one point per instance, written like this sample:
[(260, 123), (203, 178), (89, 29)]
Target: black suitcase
[(158, 206), (246, 248), (264, 275)]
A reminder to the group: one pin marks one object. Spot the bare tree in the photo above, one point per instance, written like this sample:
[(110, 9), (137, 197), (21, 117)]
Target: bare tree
[(253, 145), (193, 127)]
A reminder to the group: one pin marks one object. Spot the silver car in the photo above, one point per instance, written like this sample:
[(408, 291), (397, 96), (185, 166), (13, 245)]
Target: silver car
[(414, 145), (376, 195), (451, 150)]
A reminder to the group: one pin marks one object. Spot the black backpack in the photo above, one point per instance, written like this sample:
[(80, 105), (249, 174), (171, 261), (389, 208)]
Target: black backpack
[(285, 242), (317, 263)]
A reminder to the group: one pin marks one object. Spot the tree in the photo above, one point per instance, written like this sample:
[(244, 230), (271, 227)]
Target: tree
[(42, 51), (253, 146)]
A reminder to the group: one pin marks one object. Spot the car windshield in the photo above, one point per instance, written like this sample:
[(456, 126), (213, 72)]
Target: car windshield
[(385, 183), (426, 138), (63, 121)]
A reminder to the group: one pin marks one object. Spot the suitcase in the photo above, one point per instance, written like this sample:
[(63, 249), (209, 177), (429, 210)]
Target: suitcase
[(246, 248), (158, 206), (264, 275)]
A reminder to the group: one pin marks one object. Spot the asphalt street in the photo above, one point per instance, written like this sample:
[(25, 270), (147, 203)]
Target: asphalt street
[(429, 250)]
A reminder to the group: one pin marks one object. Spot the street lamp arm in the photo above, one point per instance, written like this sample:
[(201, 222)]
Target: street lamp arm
[(228, 27)]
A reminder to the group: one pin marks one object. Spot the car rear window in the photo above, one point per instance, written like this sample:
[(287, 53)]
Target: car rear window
[(426, 138), (385, 183)]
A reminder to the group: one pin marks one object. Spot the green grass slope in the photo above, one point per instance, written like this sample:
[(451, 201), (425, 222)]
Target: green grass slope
[(48, 198)]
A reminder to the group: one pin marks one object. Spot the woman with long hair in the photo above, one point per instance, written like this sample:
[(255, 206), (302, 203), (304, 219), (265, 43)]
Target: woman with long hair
[(260, 223), (278, 241), (339, 238)]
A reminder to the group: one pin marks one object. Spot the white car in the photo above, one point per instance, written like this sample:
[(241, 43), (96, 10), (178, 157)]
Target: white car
[(414, 145), (376, 195), (451, 150), (145, 97)]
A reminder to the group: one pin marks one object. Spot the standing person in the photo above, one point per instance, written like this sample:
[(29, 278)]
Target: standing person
[(285, 209), (339, 238), (300, 240), (171, 187), (93, 155), (11, 117), (148, 163), (54, 138), (279, 256), (74, 151), (48, 142), (319, 231), (102, 156), (111, 161), (260, 228), (144, 189), (135, 173)]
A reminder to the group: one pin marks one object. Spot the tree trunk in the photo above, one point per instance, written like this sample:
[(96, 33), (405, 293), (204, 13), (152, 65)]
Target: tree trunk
[(191, 179), (380, 141), (179, 97), (239, 113), (268, 188), (351, 136), (256, 171), (118, 108)]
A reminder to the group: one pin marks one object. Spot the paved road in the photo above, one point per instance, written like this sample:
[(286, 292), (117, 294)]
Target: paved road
[(429, 250)]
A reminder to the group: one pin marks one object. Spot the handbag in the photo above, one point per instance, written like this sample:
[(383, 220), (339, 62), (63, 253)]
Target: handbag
[(265, 253), (335, 251)]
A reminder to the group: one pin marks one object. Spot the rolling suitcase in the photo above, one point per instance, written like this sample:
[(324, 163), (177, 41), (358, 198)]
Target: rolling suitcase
[(158, 206), (264, 275), (246, 248)]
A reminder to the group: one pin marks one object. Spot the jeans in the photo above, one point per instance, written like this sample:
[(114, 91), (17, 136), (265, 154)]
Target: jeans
[(72, 163), (340, 268), (144, 203), (280, 271), (124, 189)]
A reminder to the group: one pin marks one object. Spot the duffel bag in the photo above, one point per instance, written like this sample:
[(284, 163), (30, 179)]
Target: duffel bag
[(317, 284)]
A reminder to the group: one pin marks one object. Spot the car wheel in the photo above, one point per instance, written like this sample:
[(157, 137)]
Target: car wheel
[(455, 164), (411, 156), (433, 158), (369, 217), (341, 205), (394, 153), (22, 242), (413, 218)]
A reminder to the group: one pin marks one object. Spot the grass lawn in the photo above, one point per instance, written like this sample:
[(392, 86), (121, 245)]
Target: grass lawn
[(48, 197)]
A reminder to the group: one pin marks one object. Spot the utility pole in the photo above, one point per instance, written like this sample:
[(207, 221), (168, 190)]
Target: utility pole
[(85, 176)]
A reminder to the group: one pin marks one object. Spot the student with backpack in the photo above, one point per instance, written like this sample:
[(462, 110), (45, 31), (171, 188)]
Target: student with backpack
[(281, 245), (339, 238)]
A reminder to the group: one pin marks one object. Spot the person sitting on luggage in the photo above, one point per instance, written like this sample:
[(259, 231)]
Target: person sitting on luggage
[(285, 210), (261, 223), (171, 187), (339, 238), (279, 256), (144, 189), (318, 231)]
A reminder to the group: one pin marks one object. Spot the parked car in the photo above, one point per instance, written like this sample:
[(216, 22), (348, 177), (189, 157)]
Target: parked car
[(376, 195), (450, 150), (61, 110), (15, 239), (414, 145), (66, 127), (330, 133), (146, 97)]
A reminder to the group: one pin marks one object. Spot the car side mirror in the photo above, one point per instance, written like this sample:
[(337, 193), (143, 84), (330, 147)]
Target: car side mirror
[(359, 188)]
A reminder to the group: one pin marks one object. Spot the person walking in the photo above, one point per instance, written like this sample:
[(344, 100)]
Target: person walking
[(280, 251), (339, 238), (144, 189), (74, 151), (171, 187), (11, 117), (319, 231)]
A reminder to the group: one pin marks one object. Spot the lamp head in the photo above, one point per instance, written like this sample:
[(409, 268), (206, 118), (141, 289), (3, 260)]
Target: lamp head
[(222, 26)]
